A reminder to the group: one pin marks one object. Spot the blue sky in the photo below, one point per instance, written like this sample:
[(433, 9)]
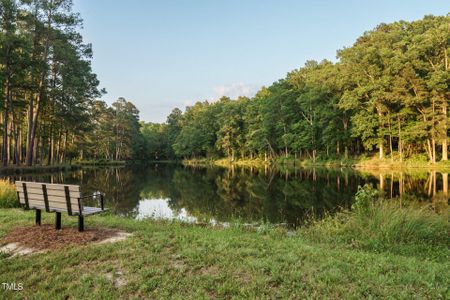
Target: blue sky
[(166, 54)]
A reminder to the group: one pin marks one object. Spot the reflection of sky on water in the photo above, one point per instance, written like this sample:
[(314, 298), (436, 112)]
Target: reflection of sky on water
[(159, 209)]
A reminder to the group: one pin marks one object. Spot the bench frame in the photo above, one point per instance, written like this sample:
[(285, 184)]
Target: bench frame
[(80, 215)]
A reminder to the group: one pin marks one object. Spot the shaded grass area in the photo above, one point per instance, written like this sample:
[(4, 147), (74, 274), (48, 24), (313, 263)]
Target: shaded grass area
[(11, 170), (174, 260)]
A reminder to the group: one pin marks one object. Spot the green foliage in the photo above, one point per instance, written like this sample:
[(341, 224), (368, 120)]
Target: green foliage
[(365, 198), (8, 195), (48, 91), (156, 141), (388, 92)]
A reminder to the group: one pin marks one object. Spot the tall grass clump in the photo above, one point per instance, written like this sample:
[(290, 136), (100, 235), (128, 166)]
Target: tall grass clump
[(377, 224), (8, 196)]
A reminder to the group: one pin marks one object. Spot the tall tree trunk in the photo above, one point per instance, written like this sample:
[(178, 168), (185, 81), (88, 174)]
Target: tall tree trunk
[(400, 146), (63, 154), (433, 147), (58, 148), (5, 135), (16, 141), (34, 113), (10, 141), (50, 146), (35, 150), (381, 153), (445, 184), (429, 150), (5, 152), (391, 150), (433, 134), (380, 146), (33, 124), (29, 150), (445, 138), (20, 145)]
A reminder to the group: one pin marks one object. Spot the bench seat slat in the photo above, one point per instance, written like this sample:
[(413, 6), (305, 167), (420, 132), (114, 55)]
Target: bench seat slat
[(51, 198), (52, 206), (54, 209), (52, 201), (50, 186), (50, 192)]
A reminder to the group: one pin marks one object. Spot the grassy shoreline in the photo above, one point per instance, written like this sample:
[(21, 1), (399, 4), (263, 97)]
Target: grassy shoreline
[(11, 170), (176, 260), (22, 169), (355, 163)]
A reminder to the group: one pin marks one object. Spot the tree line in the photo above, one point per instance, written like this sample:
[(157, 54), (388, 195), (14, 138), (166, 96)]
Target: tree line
[(389, 92), (48, 111)]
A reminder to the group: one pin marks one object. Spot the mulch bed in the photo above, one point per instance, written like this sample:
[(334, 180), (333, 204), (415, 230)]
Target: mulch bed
[(46, 237)]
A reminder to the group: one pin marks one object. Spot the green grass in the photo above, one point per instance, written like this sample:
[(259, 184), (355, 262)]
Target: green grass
[(358, 162), (8, 196), (22, 169), (384, 227), (226, 162), (178, 261), (100, 162)]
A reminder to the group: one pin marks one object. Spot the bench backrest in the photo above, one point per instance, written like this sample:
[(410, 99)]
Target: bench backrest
[(49, 196)]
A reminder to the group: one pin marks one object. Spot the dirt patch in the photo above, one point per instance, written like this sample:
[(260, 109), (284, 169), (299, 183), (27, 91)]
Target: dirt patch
[(210, 270), (117, 278), (43, 238), (17, 249), (117, 237)]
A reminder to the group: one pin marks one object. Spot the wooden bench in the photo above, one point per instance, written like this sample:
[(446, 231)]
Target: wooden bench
[(57, 198)]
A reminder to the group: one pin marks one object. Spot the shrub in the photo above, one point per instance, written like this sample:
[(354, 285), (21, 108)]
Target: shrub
[(8, 195), (418, 158), (386, 225), (364, 198)]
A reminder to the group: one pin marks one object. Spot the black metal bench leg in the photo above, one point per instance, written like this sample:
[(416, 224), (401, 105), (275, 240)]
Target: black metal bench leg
[(80, 223), (58, 220), (38, 217)]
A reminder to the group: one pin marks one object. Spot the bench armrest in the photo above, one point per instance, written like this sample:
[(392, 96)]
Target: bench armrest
[(102, 205)]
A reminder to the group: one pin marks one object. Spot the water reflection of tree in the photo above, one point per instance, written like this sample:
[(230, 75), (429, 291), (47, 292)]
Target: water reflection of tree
[(414, 187), (250, 195), (121, 186)]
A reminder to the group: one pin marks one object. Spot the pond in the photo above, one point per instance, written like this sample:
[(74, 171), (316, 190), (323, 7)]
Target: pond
[(246, 195)]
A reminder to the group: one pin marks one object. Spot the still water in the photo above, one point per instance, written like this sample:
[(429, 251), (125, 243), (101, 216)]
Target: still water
[(216, 195)]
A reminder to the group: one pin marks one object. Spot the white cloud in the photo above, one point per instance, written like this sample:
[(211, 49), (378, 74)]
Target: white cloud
[(235, 90), (188, 103)]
